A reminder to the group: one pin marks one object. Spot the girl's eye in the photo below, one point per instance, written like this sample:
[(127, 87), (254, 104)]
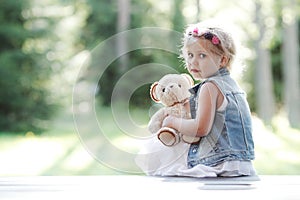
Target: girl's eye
[(201, 55), (190, 55)]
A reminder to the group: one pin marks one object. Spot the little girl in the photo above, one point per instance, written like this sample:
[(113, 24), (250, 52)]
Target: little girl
[(219, 109)]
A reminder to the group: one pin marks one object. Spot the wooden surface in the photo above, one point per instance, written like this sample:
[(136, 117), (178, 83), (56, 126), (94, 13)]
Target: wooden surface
[(143, 187)]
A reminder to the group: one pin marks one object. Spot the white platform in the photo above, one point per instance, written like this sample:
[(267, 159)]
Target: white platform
[(143, 187)]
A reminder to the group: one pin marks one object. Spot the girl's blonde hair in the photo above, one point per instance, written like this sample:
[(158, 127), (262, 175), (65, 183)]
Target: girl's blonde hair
[(218, 41)]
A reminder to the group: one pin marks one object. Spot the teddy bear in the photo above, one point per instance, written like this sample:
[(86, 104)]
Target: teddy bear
[(172, 91)]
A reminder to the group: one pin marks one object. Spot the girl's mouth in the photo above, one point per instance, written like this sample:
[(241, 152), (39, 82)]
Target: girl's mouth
[(195, 70)]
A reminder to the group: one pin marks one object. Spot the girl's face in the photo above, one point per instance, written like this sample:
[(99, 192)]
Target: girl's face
[(201, 63)]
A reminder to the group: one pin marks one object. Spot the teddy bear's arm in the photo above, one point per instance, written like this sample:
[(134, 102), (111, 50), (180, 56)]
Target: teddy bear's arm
[(156, 120)]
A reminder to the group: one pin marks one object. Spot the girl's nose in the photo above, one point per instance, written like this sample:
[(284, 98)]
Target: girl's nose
[(194, 62)]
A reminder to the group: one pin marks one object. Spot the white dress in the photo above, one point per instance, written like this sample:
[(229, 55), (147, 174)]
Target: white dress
[(158, 160)]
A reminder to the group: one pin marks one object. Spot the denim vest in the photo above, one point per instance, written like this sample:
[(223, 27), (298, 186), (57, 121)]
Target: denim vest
[(230, 137)]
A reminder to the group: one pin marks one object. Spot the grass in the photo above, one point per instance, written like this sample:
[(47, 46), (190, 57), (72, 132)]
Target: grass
[(277, 147), (60, 151)]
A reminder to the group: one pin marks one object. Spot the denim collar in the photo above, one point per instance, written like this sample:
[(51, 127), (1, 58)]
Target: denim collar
[(221, 72)]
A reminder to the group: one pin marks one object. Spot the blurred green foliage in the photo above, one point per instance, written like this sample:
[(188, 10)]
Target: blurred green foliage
[(23, 97), (40, 39)]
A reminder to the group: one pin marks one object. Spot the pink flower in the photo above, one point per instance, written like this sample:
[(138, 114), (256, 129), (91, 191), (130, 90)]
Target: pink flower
[(195, 31), (215, 40)]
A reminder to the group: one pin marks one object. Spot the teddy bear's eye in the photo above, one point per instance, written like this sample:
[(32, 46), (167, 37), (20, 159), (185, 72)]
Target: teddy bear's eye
[(163, 90), (179, 85)]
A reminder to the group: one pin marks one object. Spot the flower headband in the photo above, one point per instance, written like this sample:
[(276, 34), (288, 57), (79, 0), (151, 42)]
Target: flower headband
[(207, 35)]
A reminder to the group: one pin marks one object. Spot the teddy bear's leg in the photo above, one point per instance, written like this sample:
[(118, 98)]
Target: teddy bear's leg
[(168, 136)]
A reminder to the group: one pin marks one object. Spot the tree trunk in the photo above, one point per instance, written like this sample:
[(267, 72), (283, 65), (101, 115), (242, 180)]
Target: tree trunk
[(122, 25), (198, 11), (263, 74), (291, 64)]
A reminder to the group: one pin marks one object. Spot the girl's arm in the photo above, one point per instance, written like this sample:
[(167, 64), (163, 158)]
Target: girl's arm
[(209, 99)]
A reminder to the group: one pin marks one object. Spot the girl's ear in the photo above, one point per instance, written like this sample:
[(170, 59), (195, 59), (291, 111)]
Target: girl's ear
[(188, 78), (224, 60), (153, 92)]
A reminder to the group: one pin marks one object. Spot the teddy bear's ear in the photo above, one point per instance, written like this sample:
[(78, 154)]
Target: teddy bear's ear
[(153, 92), (189, 78)]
